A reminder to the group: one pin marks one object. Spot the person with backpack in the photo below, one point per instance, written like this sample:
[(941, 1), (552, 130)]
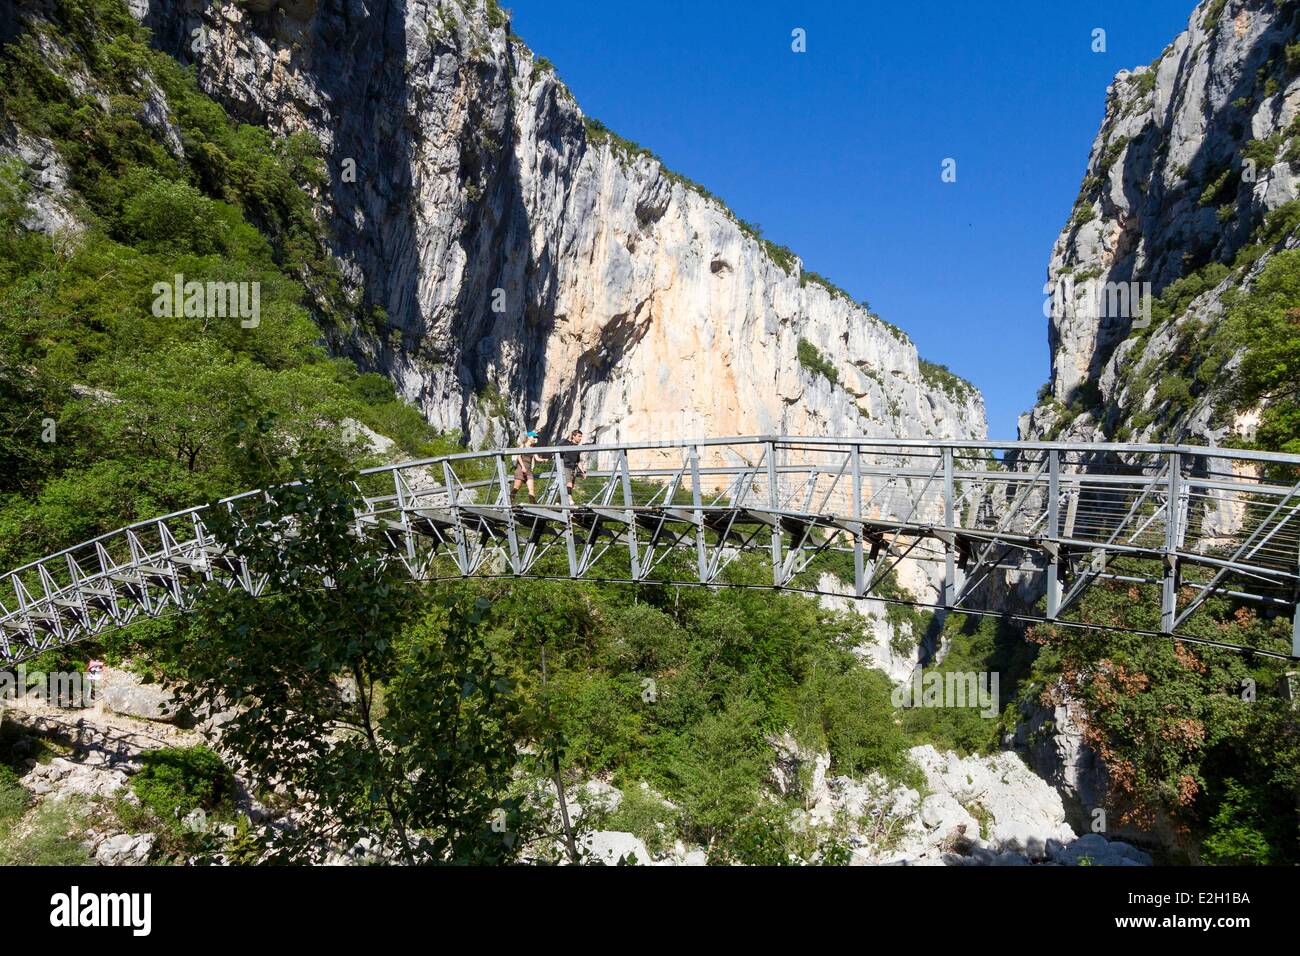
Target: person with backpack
[(524, 470), (571, 461)]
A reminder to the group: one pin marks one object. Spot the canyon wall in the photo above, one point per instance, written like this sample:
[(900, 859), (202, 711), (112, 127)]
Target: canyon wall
[(515, 266), (1191, 180)]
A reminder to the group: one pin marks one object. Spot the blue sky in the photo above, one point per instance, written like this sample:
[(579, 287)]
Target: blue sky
[(837, 151)]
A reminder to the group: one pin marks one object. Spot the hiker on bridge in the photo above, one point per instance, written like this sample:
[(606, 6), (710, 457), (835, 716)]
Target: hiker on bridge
[(571, 461), (524, 470)]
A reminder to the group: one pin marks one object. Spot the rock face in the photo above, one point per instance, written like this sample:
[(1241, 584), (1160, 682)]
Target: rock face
[(979, 810), (992, 803), (1093, 849), (1053, 744), (521, 266), (125, 849), (125, 693), (61, 779), (1192, 179), (612, 846), (46, 179), (796, 771), (1193, 154)]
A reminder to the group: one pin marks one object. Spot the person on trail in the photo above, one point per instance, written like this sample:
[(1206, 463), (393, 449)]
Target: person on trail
[(94, 671), (524, 470), (571, 461)]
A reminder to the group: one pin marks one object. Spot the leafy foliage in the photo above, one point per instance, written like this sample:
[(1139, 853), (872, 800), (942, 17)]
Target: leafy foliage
[(1180, 736), (679, 688), (174, 781), (111, 413), (1266, 325), (811, 358), (944, 379), (981, 645), (14, 798), (376, 715)]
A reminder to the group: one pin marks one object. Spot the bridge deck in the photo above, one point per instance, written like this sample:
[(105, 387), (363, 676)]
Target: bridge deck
[(1198, 523)]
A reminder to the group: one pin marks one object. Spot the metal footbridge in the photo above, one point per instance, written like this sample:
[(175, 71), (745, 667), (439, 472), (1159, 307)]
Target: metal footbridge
[(1176, 526)]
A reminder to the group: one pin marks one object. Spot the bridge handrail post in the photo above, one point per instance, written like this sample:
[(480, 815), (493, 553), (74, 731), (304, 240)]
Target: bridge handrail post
[(453, 504), (566, 506), (950, 553), (1173, 535), (1054, 534), (1295, 611), (401, 490), (512, 533), (634, 554), (697, 509), (859, 562), (774, 503)]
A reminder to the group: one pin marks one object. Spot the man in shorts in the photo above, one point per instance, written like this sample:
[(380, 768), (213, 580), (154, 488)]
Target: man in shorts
[(524, 470), (571, 461)]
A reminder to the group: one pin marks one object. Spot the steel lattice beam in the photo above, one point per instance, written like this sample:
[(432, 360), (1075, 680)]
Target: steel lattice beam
[(1202, 522)]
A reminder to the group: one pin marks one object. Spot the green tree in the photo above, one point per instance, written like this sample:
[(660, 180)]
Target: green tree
[(1238, 834), (372, 729), (1266, 324)]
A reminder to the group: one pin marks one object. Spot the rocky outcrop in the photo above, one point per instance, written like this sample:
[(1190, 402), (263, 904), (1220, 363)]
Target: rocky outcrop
[(1194, 153), (43, 178), (61, 779), (1190, 191), (890, 646), (612, 847), (127, 694), (100, 749), (125, 849), (519, 265), (979, 810), (1052, 742), (994, 805), (1093, 849), (796, 771)]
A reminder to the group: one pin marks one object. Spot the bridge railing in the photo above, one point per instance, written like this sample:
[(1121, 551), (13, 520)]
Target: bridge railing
[(1196, 522)]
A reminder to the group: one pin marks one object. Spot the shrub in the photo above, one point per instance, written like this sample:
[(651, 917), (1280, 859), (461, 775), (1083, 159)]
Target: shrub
[(1145, 82), (175, 781), (157, 214), (976, 645), (643, 814), (760, 838), (811, 358), (13, 797), (1224, 182), (845, 709), (1262, 152), (1263, 323), (1292, 54), (1239, 833), (945, 380), (1213, 12)]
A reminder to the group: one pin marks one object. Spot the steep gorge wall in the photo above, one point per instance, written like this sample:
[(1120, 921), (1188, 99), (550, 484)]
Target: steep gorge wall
[(516, 270), (1191, 187), (1194, 154)]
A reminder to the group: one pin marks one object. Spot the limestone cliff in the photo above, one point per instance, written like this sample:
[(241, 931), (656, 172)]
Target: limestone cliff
[(1190, 187), (519, 266), (1190, 193)]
